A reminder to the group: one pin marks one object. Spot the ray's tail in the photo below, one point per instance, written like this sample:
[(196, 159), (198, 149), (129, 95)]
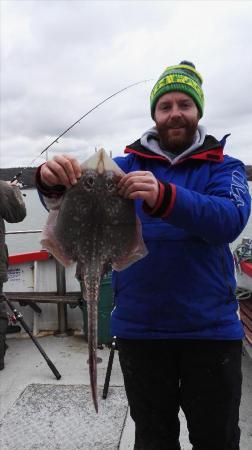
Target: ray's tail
[(92, 310), (92, 279)]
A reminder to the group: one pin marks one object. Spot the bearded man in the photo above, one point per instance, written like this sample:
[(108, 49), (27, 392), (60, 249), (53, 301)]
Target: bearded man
[(178, 332)]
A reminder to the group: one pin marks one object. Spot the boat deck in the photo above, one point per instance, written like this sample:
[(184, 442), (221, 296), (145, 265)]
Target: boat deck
[(38, 411)]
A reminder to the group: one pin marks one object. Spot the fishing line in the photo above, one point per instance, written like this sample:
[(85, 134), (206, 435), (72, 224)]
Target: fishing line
[(56, 140)]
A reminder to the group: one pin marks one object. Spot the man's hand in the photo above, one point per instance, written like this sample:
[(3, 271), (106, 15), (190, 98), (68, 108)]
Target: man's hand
[(62, 169), (140, 184)]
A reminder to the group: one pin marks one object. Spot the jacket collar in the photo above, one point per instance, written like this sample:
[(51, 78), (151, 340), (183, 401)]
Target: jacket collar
[(211, 150)]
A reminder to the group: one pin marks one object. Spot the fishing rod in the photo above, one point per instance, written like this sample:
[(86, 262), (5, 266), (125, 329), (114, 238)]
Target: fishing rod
[(19, 317), (16, 177), (56, 140)]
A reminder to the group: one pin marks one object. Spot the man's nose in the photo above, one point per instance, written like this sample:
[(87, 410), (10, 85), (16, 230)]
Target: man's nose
[(175, 111)]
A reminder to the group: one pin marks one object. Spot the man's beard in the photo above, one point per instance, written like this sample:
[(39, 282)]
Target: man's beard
[(178, 141)]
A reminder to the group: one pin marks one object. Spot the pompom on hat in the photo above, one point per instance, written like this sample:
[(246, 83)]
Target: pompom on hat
[(184, 78)]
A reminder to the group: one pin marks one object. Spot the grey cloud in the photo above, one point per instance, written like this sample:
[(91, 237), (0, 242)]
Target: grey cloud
[(71, 55)]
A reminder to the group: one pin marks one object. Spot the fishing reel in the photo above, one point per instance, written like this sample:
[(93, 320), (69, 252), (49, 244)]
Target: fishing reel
[(20, 183)]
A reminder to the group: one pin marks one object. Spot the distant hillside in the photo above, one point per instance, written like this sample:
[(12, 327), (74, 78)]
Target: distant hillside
[(249, 172), (27, 178), (28, 174)]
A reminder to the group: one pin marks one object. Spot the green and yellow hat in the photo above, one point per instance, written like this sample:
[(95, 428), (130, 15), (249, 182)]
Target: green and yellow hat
[(184, 78)]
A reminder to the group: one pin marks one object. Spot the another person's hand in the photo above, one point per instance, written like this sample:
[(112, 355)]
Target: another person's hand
[(140, 184), (63, 169), (12, 183)]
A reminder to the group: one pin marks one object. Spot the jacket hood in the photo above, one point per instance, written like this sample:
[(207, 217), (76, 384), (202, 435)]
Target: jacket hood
[(205, 147)]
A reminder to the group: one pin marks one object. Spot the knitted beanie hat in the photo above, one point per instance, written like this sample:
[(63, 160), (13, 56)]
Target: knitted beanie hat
[(184, 78)]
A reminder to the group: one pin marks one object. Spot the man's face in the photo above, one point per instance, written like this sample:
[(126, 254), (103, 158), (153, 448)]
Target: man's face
[(176, 117)]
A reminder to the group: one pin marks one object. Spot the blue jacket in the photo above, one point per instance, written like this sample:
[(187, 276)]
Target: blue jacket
[(185, 287)]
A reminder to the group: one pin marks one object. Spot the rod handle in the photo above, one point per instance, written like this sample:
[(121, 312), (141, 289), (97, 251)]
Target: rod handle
[(54, 370)]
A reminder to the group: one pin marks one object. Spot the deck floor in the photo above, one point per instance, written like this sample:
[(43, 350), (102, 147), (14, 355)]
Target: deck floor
[(26, 370)]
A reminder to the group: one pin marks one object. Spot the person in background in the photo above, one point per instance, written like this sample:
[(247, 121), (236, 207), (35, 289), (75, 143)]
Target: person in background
[(12, 209), (176, 318)]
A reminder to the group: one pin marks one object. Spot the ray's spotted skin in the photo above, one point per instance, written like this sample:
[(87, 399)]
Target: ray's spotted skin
[(97, 228)]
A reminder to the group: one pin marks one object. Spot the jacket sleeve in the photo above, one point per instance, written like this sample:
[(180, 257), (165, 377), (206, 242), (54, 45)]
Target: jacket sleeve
[(12, 206), (220, 213)]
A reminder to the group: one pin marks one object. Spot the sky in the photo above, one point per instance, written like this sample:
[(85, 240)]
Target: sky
[(60, 58)]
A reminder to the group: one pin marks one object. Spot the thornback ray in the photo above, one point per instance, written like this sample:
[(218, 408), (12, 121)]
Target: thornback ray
[(96, 228)]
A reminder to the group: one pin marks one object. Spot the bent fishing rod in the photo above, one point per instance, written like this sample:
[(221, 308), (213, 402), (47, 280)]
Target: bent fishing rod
[(56, 140)]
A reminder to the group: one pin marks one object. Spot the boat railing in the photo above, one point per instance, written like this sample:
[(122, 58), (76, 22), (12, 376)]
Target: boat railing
[(61, 297), (23, 232)]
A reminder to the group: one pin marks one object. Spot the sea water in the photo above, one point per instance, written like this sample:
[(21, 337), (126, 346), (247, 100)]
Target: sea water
[(35, 220)]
